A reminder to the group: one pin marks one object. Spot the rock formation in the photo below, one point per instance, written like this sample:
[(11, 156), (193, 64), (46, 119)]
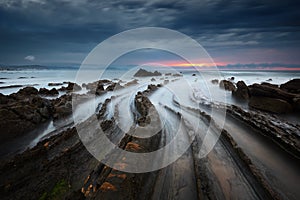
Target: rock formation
[(242, 91), (144, 73), (227, 85)]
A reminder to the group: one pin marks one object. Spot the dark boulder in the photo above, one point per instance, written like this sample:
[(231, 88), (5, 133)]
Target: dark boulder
[(143, 104), (114, 86), (292, 86), (152, 87), (96, 87), (296, 103), (22, 112), (28, 91), (215, 81), (62, 107), (242, 91), (4, 99), (71, 87), (270, 85), (100, 89), (46, 92), (267, 91), (227, 85)]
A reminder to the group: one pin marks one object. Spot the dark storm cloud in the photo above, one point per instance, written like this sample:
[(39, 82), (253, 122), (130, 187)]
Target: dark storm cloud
[(57, 30)]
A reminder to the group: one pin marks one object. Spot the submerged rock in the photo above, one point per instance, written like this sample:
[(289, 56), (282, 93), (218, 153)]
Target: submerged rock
[(133, 82), (215, 81), (11, 86), (55, 84), (177, 75)]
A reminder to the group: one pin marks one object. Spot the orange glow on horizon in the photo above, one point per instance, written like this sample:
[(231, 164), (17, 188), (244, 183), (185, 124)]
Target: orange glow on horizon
[(186, 64), (222, 66)]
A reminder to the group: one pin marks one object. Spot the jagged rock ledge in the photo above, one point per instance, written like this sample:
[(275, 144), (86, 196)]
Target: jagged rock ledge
[(145, 73)]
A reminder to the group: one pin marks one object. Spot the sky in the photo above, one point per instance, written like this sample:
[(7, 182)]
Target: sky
[(249, 33)]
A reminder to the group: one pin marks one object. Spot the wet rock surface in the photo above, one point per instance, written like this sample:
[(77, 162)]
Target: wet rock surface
[(46, 92), (143, 105), (114, 86), (227, 85), (242, 91), (97, 87), (273, 105), (22, 112), (272, 99), (292, 86), (272, 92), (60, 167), (270, 84), (62, 107), (71, 87)]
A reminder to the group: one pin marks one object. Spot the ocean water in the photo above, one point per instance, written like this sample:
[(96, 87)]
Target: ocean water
[(202, 80)]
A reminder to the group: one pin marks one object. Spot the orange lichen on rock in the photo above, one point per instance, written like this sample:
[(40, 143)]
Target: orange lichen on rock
[(106, 186), (122, 176), (111, 175), (46, 144), (87, 178), (133, 146)]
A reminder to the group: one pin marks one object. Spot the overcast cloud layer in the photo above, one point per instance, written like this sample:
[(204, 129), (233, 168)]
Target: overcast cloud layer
[(64, 31)]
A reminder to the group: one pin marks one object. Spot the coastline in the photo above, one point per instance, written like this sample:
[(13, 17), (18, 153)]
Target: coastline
[(60, 159)]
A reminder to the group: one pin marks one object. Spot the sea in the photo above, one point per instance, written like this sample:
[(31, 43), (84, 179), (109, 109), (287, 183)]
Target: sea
[(12, 80)]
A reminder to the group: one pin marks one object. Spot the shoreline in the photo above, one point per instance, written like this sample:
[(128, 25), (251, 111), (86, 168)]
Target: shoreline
[(57, 154)]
